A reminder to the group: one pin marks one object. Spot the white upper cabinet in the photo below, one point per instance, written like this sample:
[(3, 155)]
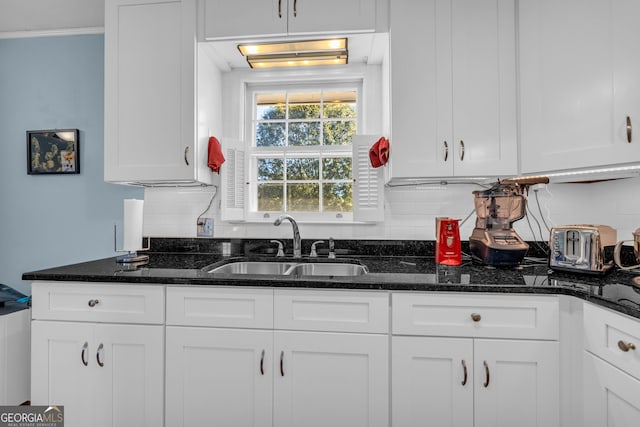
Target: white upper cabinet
[(150, 93), (453, 88), (259, 18), (578, 83)]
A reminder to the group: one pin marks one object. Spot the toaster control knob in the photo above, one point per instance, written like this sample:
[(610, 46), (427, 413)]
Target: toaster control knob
[(557, 254)]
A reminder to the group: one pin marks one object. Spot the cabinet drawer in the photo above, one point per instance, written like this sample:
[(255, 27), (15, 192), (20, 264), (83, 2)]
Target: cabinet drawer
[(334, 311), (608, 334), (98, 302), (220, 307), (496, 316)]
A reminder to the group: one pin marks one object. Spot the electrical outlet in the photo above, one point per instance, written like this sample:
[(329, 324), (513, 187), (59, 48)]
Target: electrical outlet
[(205, 227)]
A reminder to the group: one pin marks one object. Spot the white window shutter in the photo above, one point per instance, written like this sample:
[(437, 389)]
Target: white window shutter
[(233, 185), (368, 183)]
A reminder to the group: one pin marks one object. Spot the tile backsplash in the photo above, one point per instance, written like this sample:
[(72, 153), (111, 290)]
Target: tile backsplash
[(410, 212)]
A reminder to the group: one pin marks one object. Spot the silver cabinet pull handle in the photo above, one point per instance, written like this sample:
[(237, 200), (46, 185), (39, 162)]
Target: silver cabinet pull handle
[(93, 302), (629, 129), (279, 8), (626, 346), (262, 363), (464, 366), (83, 354), (186, 153), (99, 357), (476, 317), (295, 8), (487, 376), (446, 151), (461, 150), (282, 363)]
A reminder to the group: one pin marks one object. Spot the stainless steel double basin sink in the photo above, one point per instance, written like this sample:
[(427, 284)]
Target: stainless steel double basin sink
[(289, 268)]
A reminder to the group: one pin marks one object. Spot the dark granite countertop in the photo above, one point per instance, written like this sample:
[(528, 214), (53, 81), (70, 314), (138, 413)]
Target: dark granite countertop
[(617, 290)]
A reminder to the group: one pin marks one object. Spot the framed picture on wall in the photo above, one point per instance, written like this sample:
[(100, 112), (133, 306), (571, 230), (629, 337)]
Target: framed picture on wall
[(53, 152)]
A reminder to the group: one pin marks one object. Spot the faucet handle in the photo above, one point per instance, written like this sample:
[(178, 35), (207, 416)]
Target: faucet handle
[(280, 248), (332, 248), (314, 253)]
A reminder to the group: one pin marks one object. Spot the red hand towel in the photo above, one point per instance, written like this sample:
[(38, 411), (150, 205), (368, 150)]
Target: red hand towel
[(216, 158), (379, 152)]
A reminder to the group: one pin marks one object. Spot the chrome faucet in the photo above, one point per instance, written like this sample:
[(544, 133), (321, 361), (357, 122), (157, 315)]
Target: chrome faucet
[(297, 244)]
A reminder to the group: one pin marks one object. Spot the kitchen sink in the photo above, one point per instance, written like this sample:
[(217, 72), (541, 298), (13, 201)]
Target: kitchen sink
[(329, 269), (253, 267), (288, 268)]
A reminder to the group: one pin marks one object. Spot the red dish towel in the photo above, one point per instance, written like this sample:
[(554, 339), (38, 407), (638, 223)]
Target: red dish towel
[(216, 158), (379, 152)]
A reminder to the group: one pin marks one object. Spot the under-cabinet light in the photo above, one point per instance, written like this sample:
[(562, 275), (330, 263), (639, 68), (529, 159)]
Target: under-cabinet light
[(303, 53)]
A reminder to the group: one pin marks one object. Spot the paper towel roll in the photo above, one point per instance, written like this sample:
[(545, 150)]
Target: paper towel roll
[(133, 218)]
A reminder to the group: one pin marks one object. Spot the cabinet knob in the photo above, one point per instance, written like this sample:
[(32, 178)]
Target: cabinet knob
[(93, 302), (626, 346), (475, 317)]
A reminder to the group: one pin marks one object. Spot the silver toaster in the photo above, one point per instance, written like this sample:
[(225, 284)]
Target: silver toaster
[(582, 248)]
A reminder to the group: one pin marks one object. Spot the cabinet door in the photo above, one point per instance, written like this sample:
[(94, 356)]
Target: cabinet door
[(484, 87), (330, 379), (626, 68), (149, 90), (248, 18), (516, 383), (567, 84), (453, 88), (128, 364), (331, 16), (432, 381), (15, 337), (421, 124), (219, 377), (62, 369), (611, 397)]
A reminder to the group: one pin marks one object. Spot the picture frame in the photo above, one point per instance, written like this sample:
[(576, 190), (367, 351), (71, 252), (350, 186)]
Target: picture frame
[(55, 151)]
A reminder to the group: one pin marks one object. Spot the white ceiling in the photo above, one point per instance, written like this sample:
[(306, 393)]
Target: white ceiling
[(50, 15)]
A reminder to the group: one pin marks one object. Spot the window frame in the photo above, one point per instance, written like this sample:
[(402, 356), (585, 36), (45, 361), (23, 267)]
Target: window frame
[(252, 152)]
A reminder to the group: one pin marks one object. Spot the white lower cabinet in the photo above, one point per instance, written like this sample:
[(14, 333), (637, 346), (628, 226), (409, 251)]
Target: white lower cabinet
[(432, 381), (330, 379), (219, 377), (516, 383), (15, 335), (103, 374), (464, 382), (259, 374), (475, 378), (98, 350), (611, 366), (611, 397)]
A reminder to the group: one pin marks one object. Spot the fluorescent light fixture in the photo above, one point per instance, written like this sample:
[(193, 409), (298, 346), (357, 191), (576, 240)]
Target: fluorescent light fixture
[(296, 53), (594, 174)]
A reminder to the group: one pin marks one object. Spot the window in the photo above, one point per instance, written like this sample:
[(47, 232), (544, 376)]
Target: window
[(300, 155)]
